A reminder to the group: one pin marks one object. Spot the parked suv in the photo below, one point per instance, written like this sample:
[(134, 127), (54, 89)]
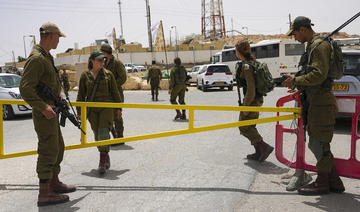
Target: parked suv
[(214, 75), (9, 89)]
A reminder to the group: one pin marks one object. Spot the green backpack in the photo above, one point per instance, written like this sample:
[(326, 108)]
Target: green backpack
[(263, 78), (336, 69)]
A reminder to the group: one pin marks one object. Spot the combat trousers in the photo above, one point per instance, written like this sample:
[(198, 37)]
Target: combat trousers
[(50, 145), (101, 120), (178, 91), (250, 131), (321, 150), (119, 123), (154, 83)]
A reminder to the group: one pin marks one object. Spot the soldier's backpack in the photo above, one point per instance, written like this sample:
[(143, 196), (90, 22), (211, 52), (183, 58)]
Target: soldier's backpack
[(336, 69), (263, 78)]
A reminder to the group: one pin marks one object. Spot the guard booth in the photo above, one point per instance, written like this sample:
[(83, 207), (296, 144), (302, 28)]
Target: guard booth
[(349, 105)]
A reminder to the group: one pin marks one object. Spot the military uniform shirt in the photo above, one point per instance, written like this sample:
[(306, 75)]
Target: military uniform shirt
[(39, 69), (154, 73), (119, 72)]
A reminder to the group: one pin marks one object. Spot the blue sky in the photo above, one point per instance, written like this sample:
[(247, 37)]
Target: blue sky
[(83, 21)]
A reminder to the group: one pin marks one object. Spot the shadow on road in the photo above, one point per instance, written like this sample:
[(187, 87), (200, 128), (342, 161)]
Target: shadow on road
[(266, 167), (121, 147), (68, 206), (109, 175), (336, 202)]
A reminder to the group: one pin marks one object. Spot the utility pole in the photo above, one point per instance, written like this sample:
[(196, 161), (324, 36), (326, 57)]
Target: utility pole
[(170, 37), (149, 24), (121, 23), (14, 59), (232, 27), (289, 20), (24, 46)]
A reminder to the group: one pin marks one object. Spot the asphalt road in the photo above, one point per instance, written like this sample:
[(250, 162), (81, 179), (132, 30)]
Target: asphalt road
[(196, 172)]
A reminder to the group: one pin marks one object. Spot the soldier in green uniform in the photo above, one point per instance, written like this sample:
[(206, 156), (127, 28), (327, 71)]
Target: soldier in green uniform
[(322, 110), (65, 81), (118, 69), (154, 76), (99, 85), (177, 87), (251, 98), (39, 70)]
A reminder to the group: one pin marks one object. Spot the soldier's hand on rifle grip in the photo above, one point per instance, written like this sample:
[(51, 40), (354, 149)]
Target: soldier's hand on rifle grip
[(49, 112), (289, 82)]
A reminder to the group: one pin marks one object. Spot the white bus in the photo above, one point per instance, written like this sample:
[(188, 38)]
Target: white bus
[(281, 56)]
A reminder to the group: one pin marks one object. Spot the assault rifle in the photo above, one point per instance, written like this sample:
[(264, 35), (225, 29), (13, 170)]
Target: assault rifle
[(61, 107)]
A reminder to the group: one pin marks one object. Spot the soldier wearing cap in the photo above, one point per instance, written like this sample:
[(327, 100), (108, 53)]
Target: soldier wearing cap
[(39, 70), (154, 76), (177, 87), (99, 85), (316, 86), (118, 69)]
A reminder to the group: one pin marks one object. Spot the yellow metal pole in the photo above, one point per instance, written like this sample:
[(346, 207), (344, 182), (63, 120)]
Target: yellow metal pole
[(1, 131), (83, 124), (191, 119)]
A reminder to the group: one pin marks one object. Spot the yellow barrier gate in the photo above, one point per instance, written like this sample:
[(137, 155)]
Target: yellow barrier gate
[(191, 129)]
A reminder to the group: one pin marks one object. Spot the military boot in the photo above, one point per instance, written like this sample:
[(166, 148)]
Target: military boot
[(178, 115), (264, 150), (256, 155), (320, 186), (335, 183), (59, 187), (157, 98), (299, 179), (183, 115), (48, 197), (102, 162)]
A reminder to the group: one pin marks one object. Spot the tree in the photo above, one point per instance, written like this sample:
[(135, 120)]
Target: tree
[(21, 59)]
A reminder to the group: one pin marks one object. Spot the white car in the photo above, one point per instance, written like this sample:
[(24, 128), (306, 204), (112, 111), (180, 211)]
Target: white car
[(9, 89), (214, 75), (193, 74), (131, 67)]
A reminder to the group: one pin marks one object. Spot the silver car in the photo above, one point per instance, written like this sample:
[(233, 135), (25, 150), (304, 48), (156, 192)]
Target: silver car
[(9, 89), (193, 74)]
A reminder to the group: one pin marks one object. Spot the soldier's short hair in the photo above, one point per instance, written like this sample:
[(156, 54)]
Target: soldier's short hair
[(177, 61)]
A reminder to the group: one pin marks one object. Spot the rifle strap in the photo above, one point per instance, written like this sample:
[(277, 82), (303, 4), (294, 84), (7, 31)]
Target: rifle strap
[(239, 93), (93, 92)]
